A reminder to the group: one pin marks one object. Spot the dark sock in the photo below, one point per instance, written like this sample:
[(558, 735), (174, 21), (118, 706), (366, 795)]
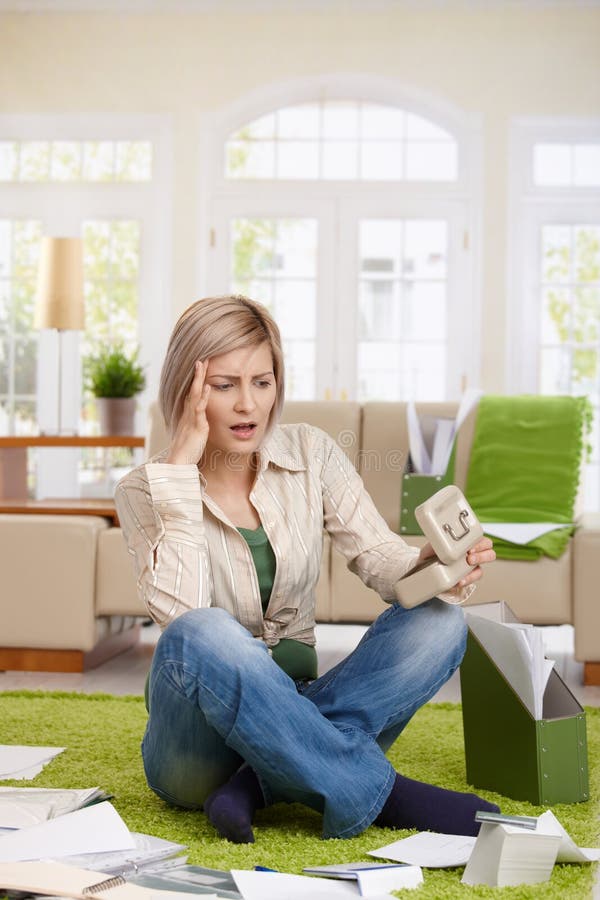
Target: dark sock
[(232, 806), (414, 804)]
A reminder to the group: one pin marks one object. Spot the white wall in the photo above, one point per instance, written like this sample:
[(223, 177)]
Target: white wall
[(499, 63)]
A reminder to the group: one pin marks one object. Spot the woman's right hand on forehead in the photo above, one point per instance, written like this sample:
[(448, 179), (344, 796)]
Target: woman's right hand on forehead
[(191, 434)]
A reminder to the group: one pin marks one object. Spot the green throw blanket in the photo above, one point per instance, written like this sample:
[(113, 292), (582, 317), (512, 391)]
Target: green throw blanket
[(525, 462)]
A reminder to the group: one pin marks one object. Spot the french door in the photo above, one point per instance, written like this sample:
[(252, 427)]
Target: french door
[(373, 294)]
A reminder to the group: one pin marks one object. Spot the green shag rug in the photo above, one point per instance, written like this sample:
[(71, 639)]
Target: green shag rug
[(102, 735)]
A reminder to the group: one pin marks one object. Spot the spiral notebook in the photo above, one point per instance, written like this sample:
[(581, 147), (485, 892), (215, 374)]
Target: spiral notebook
[(58, 880)]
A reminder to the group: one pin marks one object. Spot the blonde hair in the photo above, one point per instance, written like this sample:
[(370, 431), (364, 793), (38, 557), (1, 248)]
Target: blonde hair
[(208, 328)]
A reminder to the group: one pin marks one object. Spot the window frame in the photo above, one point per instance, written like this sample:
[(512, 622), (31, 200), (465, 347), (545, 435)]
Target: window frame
[(62, 207), (218, 192), (531, 207)]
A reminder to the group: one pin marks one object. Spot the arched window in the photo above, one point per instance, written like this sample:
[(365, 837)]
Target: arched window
[(349, 217), (342, 139)]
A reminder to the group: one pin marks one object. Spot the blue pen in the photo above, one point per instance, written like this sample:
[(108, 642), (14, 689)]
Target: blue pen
[(263, 869)]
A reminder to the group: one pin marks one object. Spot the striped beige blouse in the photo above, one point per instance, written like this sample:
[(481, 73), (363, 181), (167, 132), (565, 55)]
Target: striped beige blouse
[(188, 554)]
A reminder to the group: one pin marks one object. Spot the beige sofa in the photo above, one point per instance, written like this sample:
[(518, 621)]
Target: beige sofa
[(95, 604)]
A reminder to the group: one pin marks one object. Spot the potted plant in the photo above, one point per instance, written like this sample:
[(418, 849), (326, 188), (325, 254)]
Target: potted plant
[(114, 377)]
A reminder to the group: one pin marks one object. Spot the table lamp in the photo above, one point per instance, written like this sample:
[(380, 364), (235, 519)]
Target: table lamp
[(59, 299)]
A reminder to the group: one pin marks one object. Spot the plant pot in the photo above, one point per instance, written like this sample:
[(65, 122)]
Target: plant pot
[(117, 415)]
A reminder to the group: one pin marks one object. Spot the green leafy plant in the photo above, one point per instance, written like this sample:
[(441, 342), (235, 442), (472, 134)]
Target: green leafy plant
[(113, 373)]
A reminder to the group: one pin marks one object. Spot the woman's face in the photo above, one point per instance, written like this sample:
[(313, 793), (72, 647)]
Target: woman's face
[(242, 394)]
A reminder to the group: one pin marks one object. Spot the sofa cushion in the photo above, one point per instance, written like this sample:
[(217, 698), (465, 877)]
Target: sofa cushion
[(340, 419), (116, 591), (48, 566)]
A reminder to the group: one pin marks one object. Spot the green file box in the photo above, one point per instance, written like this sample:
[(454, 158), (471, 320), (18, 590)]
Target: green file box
[(507, 750), (416, 489)]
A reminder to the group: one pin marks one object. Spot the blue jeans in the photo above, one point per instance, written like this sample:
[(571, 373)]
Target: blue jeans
[(216, 700)]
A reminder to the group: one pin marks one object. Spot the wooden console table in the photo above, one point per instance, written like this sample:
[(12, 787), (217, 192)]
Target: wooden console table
[(13, 455), (79, 506)]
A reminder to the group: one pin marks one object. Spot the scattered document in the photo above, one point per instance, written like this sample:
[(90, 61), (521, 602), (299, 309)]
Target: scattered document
[(22, 807), (55, 879), (194, 879), (429, 849), (372, 878), (91, 830), (23, 762), (277, 885), (507, 855), (517, 650), (568, 851), (148, 852), (520, 532), (430, 453), (511, 854)]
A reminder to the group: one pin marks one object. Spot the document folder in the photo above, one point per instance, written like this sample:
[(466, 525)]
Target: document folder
[(507, 750)]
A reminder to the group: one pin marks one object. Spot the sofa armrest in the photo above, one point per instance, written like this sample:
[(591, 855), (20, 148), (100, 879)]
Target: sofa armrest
[(586, 579)]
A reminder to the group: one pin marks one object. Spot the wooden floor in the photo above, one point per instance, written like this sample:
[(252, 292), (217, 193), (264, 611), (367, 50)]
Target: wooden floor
[(126, 673)]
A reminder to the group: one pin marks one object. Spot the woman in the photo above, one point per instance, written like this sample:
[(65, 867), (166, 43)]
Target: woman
[(225, 528)]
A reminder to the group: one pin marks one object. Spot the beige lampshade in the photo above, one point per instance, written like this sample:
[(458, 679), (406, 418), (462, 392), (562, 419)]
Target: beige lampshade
[(59, 299)]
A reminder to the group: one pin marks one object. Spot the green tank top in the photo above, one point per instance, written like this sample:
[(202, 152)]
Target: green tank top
[(298, 660)]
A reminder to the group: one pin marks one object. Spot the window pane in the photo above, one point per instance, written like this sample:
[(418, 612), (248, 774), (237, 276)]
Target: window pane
[(379, 311), (423, 371), (111, 271), (99, 160), (295, 308), (340, 120), (584, 375), (35, 161), (556, 253), (586, 315), (425, 249), (133, 161), (257, 289), (25, 422), (66, 161), (424, 311), (420, 129), (300, 121), (296, 247), (296, 159), (378, 371), (4, 365), (299, 369), (340, 160), (556, 315), (250, 160), (381, 245), (9, 160), (253, 248), (552, 164), (587, 253), (25, 350), (5, 303), (381, 161), (125, 246), (431, 161), (555, 367), (23, 305), (381, 122), (586, 164), (259, 129), (5, 249)]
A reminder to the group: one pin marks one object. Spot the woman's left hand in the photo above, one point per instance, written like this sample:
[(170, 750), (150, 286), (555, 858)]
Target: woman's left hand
[(482, 552)]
